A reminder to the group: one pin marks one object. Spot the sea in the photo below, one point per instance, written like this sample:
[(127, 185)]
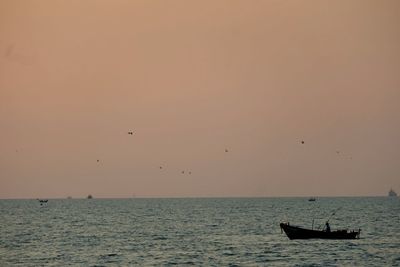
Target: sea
[(196, 232)]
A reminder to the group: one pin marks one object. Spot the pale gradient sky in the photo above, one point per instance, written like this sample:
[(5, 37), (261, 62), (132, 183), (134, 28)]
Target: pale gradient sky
[(192, 78)]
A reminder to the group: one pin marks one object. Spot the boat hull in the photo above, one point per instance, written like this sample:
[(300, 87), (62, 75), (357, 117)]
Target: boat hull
[(294, 232)]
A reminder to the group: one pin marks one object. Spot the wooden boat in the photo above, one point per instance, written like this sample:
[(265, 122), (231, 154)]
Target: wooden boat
[(295, 232)]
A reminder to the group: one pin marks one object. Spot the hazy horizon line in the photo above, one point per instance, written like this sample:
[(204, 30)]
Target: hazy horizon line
[(196, 197)]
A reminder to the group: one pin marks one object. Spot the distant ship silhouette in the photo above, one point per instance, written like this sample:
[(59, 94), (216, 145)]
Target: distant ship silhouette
[(392, 193)]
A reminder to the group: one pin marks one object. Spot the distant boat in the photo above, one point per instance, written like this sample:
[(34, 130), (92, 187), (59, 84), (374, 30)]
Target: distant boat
[(392, 193), (42, 201), (89, 197), (312, 199), (295, 232)]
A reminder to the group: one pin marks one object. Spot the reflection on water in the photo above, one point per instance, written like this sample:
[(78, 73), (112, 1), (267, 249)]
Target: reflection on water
[(235, 231)]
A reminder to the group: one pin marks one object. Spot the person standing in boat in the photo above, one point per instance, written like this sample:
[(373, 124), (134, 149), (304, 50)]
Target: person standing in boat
[(328, 227)]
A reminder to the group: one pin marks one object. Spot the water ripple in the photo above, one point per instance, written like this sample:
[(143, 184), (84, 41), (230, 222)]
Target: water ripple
[(187, 232)]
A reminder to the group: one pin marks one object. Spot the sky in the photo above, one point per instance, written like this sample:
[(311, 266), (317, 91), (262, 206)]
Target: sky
[(192, 79)]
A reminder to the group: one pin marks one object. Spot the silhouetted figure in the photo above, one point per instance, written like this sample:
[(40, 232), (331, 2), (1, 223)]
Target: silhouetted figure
[(327, 226)]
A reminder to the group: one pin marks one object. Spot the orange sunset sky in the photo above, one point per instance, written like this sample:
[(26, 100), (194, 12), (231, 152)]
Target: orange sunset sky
[(191, 79)]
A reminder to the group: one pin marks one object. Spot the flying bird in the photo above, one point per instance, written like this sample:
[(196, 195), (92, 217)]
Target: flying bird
[(302, 141), (131, 133)]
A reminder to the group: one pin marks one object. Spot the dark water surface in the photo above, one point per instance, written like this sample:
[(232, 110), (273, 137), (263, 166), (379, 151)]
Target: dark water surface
[(211, 232)]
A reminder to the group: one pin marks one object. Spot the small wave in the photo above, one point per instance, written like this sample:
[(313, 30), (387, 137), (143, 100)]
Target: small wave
[(112, 254), (228, 253), (160, 238)]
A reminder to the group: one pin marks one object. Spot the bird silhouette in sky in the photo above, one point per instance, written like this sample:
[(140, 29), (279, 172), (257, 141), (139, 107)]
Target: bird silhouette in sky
[(131, 133), (302, 142)]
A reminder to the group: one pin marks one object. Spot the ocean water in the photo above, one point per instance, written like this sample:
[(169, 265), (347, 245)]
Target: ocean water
[(199, 232)]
